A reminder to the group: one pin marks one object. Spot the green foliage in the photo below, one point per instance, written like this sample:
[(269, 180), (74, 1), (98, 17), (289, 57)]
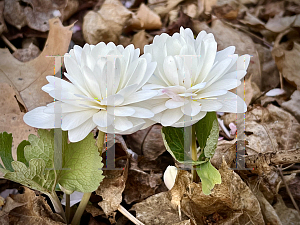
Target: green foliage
[(209, 176), (76, 168), (5, 150), (174, 142), (207, 132)]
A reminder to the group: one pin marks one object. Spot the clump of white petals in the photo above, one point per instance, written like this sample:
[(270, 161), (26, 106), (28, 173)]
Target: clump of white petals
[(193, 78), (100, 95)]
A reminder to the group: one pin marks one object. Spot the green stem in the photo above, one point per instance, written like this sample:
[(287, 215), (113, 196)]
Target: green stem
[(194, 153), (81, 208), (56, 204), (86, 196), (68, 208)]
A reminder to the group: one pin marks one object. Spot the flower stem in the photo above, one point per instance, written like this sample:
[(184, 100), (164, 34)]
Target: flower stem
[(81, 208), (68, 208), (86, 196), (194, 153), (56, 204)]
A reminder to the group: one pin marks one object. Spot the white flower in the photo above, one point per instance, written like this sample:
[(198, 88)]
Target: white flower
[(100, 94), (170, 175), (193, 78)]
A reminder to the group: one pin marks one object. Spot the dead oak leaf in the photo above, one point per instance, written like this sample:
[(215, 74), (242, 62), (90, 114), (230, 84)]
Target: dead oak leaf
[(28, 78), (27, 208)]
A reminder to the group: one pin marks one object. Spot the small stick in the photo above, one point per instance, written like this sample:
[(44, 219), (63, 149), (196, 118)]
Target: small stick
[(7, 42), (290, 172), (129, 215), (288, 190)]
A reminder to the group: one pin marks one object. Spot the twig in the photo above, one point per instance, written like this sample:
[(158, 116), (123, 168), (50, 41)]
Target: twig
[(289, 166), (8, 43), (288, 190), (129, 215), (291, 171)]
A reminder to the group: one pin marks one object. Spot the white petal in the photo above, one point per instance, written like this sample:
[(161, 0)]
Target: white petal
[(121, 111), (61, 107), (210, 94), (113, 100), (75, 119), (80, 132), (170, 70), (139, 96), (238, 74), (37, 118), (210, 105), (184, 122), (224, 84), (225, 53), (171, 116), (171, 104), (122, 123), (232, 103), (103, 119), (152, 86), (128, 90), (91, 82), (142, 112)]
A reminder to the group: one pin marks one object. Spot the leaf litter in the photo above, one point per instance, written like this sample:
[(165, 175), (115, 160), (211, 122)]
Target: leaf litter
[(269, 31)]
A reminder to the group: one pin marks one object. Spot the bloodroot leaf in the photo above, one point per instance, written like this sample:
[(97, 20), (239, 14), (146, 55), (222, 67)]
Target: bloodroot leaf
[(209, 176)]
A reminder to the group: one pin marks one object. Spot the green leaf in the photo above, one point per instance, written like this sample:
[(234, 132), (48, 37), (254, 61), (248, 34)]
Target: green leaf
[(80, 168), (5, 150), (174, 142), (32, 176), (207, 132), (209, 176), (20, 152)]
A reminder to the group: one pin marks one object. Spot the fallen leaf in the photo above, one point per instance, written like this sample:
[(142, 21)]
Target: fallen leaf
[(286, 58), (232, 199), (11, 118), (286, 215), (27, 208), (293, 105), (112, 187), (35, 13), (279, 24), (27, 54), (3, 27), (147, 142), (107, 24), (140, 40), (146, 19), (157, 210), (28, 78), (275, 92)]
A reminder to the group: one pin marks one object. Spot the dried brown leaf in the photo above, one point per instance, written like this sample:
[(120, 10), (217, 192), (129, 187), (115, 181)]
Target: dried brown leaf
[(279, 24), (27, 54), (107, 24), (232, 199), (27, 208), (293, 105), (140, 40), (3, 27), (157, 210), (111, 189), (147, 19), (286, 215), (28, 78), (287, 60), (35, 14), (11, 118)]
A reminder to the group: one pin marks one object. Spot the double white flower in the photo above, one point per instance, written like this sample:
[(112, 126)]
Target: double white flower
[(117, 91), (104, 92), (193, 78)]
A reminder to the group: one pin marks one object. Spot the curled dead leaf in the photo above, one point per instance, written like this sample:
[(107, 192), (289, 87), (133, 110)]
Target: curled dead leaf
[(232, 199), (107, 24), (35, 13), (29, 77), (146, 19)]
